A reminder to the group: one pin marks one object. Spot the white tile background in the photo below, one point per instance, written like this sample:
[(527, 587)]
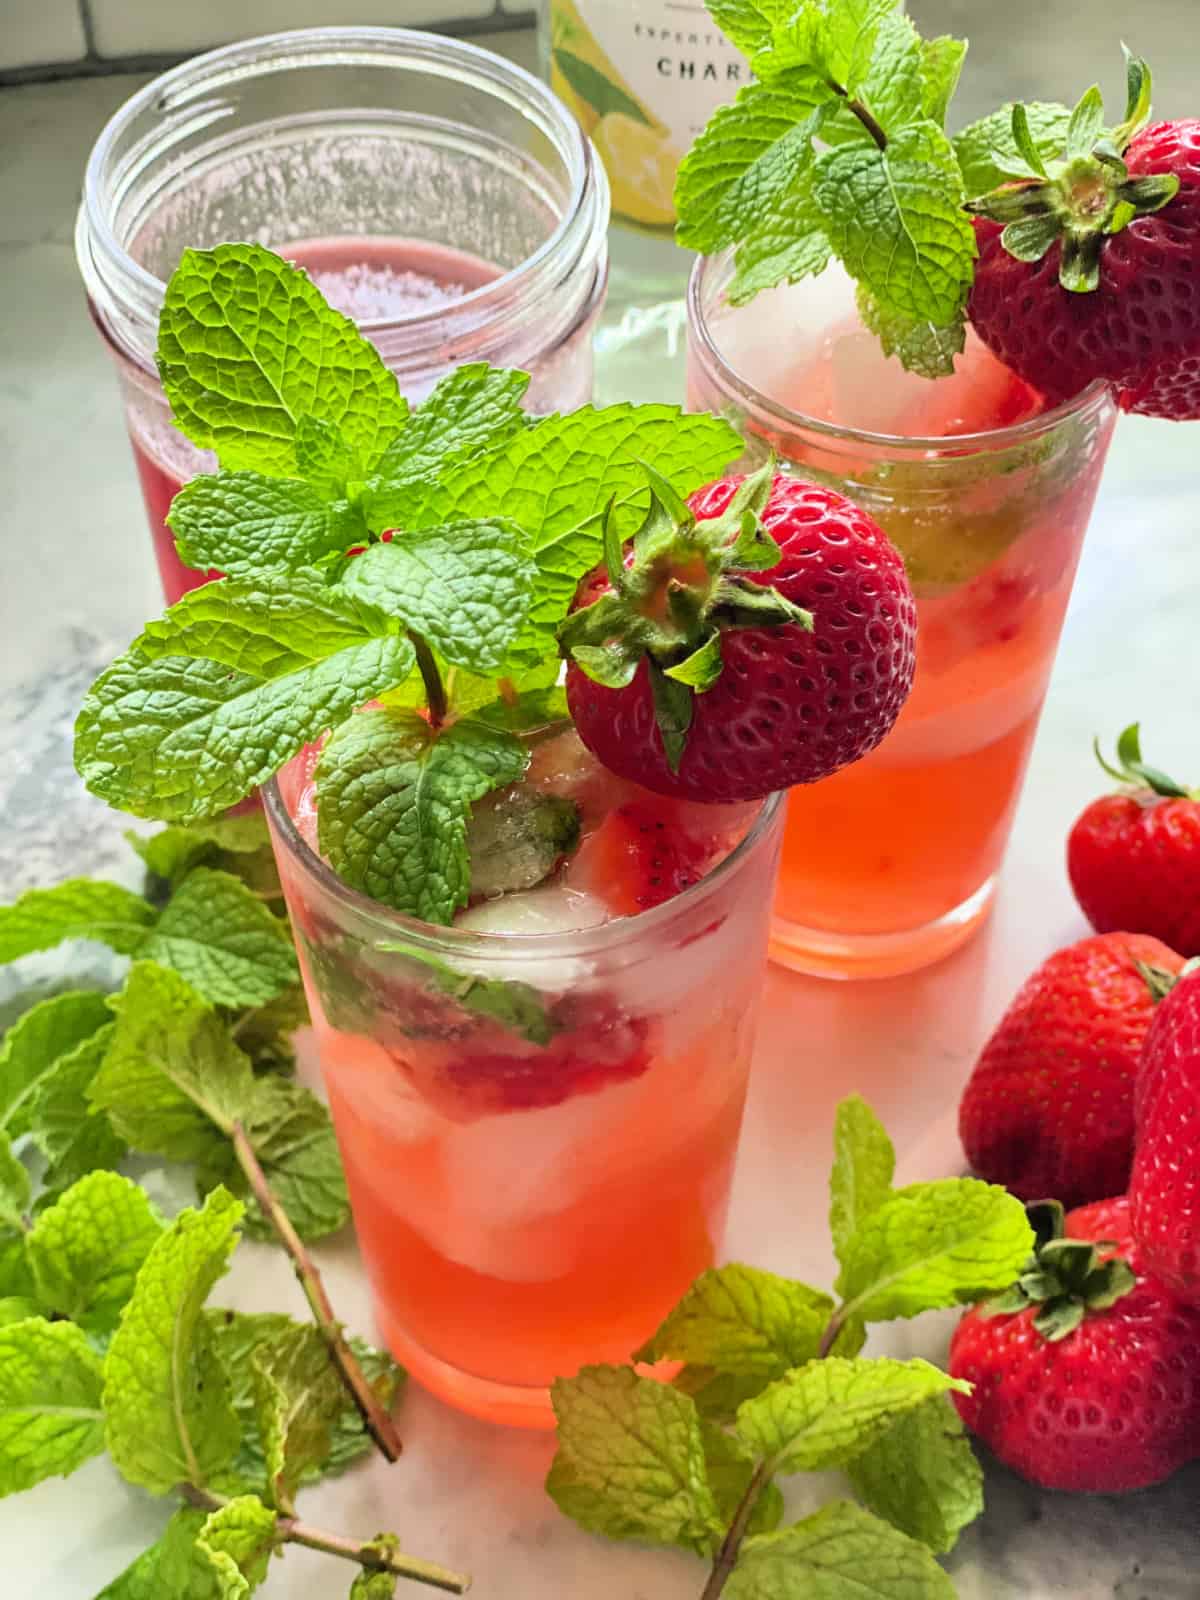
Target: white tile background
[(48, 33)]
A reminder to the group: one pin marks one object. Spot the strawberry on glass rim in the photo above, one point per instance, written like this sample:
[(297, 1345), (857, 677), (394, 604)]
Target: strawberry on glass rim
[(761, 635), (1087, 263)]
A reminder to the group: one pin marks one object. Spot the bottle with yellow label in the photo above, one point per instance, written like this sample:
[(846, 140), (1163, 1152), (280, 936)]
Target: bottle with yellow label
[(643, 77)]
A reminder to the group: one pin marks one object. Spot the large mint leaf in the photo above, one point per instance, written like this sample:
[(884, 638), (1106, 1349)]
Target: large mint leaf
[(836, 40), (227, 944), (166, 1396), (920, 347), (824, 1414), (748, 158), (51, 1419), (179, 739), (36, 1041), (465, 587), (247, 346), (473, 408), (298, 1399), (931, 1245), (15, 1188), (238, 1336), (841, 1553), (789, 243), (245, 521), (743, 1320), (749, 24), (74, 1139), (264, 623), (922, 1476), (630, 1461), (555, 479), (172, 1080), (394, 797), (295, 1144), (86, 1250), (863, 1164), (987, 152), (80, 908), (895, 218)]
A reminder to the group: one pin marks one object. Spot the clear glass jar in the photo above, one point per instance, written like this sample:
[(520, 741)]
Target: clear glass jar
[(439, 194), (523, 1208), (892, 863)]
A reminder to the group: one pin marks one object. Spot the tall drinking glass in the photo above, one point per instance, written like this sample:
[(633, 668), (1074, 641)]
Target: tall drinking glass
[(438, 194), (529, 1203), (892, 863)]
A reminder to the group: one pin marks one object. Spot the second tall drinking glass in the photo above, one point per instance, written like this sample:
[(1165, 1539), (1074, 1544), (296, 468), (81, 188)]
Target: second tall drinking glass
[(892, 863)]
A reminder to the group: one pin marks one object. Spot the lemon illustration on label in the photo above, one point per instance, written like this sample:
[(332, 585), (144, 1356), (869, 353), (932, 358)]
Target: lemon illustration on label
[(637, 151)]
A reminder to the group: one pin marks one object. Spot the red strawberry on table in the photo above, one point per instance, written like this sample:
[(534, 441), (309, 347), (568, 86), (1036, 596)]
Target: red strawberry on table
[(1164, 1191), (1089, 267), (1134, 857), (761, 635), (1086, 1373), (1048, 1109)]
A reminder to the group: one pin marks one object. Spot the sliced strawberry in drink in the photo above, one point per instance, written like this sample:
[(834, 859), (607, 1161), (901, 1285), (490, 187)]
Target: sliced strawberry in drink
[(642, 855)]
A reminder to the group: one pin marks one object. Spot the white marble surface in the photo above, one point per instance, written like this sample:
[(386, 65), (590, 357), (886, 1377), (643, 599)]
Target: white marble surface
[(78, 581)]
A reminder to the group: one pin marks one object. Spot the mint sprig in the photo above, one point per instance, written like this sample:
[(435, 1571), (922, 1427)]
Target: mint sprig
[(786, 1392)]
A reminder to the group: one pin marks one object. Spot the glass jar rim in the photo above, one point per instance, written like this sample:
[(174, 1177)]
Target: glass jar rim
[(1095, 397), (105, 262), (467, 942)]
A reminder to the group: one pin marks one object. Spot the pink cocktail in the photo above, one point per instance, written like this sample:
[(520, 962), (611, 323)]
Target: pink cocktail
[(441, 196)]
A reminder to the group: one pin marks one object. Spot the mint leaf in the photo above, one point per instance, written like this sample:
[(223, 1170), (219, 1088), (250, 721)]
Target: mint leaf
[(787, 245), (895, 218), (531, 712), (226, 943), (294, 1141), (238, 1336), (16, 1280), (15, 1188), (179, 739), (172, 1080), (514, 1005), (465, 587), (86, 1250), (475, 407), (863, 1165), (836, 41), (920, 347), (73, 1141), (140, 1579), (299, 1397), (50, 1415), (166, 1396), (555, 480), (80, 908), (173, 851), (931, 1245), (988, 155), (247, 346), (742, 1320), (374, 1586), (242, 522), (730, 1466), (748, 157), (824, 1414), (941, 66), (14, 1309), (394, 796), (631, 1462), (841, 1553), (223, 1556), (922, 1476), (324, 458), (265, 1032), (749, 23), (36, 1041)]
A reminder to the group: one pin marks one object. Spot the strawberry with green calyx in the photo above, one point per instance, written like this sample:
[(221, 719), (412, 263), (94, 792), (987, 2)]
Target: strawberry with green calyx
[(1086, 262), (1134, 856), (759, 636), (1085, 1374)]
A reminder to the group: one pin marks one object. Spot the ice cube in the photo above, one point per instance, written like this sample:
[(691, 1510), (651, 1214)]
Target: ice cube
[(549, 910)]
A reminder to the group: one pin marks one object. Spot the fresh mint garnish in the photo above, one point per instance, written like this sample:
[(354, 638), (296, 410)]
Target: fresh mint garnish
[(223, 842), (473, 408), (81, 908), (773, 1385), (394, 798), (245, 521), (73, 1143), (15, 1189), (51, 1418), (246, 348), (86, 1250), (987, 152), (298, 1402), (39, 1038)]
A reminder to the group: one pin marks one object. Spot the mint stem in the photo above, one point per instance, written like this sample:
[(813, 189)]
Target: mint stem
[(864, 116), (376, 1420), (435, 689), (292, 1531), (726, 1557), (829, 1338)]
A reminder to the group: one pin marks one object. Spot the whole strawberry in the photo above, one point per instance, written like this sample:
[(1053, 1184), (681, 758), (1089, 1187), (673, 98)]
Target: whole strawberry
[(760, 636), (1134, 857), (1088, 267), (1048, 1109), (1087, 1373), (1164, 1190)]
